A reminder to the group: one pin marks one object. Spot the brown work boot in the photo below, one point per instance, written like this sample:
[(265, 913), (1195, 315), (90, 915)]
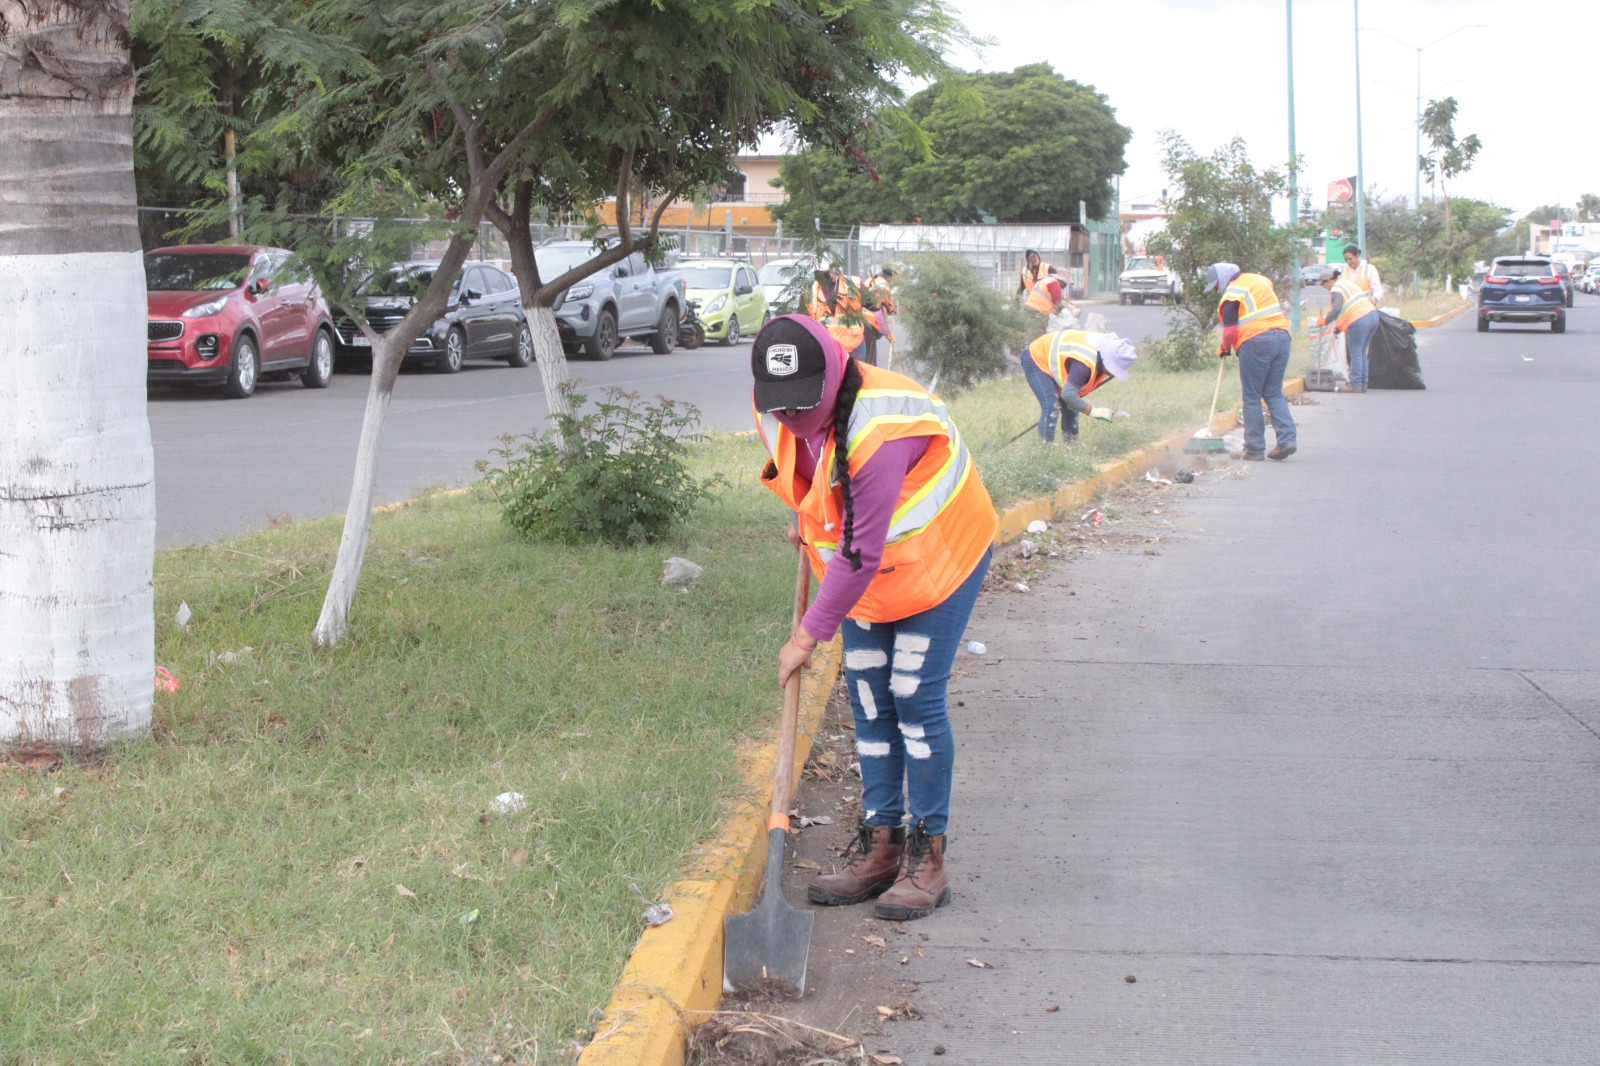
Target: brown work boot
[(923, 884), (877, 863)]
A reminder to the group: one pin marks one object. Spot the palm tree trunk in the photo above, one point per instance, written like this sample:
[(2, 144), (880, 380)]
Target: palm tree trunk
[(77, 494)]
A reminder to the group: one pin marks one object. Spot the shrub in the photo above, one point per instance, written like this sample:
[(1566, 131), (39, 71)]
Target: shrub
[(1188, 345), (960, 328), (619, 480)]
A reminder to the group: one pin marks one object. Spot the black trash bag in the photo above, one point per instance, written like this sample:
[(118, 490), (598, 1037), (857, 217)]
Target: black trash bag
[(1392, 355)]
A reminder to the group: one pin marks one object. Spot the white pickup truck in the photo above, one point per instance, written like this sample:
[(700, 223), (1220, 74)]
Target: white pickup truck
[(1145, 280)]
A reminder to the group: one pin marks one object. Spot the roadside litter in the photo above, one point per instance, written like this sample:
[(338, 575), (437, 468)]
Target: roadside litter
[(228, 656), (184, 614), (508, 803), (1154, 477), (1184, 477), (679, 573), (1038, 525), (1094, 517), (977, 647), (165, 682), (654, 913)]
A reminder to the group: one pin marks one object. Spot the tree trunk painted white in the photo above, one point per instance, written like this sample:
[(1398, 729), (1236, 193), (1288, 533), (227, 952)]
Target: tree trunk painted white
[(77, 493), (553, 370)]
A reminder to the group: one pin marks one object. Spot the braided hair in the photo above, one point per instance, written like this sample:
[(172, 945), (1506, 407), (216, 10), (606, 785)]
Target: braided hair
[(849, 385)]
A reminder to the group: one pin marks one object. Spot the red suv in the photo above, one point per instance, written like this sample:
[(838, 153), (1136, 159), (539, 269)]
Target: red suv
[(227, 314)]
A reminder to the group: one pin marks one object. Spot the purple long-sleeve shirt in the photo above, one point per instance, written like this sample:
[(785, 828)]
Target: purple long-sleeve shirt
[(874, 490)]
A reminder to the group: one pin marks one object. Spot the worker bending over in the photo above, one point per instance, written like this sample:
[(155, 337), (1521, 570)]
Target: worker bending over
[(1355, 315), (1065, 367)]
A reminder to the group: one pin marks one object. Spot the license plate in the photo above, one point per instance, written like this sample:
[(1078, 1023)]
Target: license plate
[(360, 339), (1524, 299)]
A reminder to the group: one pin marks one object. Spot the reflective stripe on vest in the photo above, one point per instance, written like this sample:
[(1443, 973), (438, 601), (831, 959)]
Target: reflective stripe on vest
[(1070, 346), (1357, 302), (1030, 279), (1362, 275), (1259, 310), (844, 320)]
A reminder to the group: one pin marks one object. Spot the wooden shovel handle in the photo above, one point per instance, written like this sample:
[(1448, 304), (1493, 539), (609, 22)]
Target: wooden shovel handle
[(783, 773)]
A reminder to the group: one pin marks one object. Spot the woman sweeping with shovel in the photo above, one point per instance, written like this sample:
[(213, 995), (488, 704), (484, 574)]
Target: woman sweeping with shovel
[(891, 513)]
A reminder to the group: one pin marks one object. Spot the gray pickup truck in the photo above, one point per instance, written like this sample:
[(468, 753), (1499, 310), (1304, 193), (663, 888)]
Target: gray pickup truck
[(627, 299)]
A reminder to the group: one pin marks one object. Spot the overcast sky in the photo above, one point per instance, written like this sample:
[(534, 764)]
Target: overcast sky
[(1211, 69)]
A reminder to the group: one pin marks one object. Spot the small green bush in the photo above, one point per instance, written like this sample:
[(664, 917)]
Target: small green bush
[(1188, 345), (960, 328), (620, 480)]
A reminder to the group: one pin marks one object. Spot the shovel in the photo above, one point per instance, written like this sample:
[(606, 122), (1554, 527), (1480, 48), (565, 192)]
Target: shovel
[(765, 949)]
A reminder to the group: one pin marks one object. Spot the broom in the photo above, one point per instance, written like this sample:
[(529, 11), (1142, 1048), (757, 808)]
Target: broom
[(1203, 440)]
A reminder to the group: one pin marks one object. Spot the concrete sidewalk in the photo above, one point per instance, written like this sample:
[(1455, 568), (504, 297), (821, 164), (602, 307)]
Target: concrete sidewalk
[(1320, 769)]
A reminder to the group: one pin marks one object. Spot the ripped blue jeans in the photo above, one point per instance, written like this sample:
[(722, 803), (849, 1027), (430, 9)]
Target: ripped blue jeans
[(897, 674)]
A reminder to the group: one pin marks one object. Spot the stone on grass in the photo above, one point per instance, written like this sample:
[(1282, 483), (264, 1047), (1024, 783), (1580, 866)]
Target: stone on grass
[(679, 573)]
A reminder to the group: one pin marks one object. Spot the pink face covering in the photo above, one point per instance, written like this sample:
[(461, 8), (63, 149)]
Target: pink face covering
[(814, 422)]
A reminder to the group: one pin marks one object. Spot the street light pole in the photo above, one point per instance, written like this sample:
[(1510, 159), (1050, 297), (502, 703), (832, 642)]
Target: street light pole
[(1295, 282), (1361, 174)]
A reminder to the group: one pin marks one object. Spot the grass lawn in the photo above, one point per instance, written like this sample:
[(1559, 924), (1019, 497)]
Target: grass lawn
[(1429, 305), (301, 866)]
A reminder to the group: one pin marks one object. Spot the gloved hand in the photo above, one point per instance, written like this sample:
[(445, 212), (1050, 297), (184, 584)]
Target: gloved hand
[(1230, 338), (1323, 321), (1102, 413)]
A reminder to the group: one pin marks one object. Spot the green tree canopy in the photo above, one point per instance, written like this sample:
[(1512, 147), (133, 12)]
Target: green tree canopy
[(1021, 146)]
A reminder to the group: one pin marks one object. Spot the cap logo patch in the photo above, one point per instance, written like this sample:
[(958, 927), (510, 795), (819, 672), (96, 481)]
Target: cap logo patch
[(782, 360)]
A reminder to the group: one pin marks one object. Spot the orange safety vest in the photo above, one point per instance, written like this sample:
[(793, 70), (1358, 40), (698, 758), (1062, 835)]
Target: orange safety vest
[(943, 522), (1039, 297), (880, 285), (1259, 310), (1357, 303), (1030, 277), (843, 319), (1053, 353), (1362, 275)]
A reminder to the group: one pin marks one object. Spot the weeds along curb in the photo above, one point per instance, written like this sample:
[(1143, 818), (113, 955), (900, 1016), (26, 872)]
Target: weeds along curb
[(676, 971), (1439, 320), (677, 968)]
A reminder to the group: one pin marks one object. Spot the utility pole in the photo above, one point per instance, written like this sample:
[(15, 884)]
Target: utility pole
[(1361, 174), (1294, 186)]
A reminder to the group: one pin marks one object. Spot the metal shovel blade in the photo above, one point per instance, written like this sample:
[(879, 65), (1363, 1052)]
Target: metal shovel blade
[(765, 949)]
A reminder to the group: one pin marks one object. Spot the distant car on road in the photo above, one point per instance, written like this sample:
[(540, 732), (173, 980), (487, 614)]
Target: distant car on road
[(1522, 289), (627, 299), (725, 291), (222, 314), (1145, 278), (1590, 282), (785, 283), (483, 317), (1568, 286), (1316, 273)]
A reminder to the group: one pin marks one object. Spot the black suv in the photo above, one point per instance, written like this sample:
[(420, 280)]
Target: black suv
[(1521, 289), (483, 319)]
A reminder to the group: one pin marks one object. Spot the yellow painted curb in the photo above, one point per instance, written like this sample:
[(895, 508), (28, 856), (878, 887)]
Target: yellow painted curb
[(1439, 320), (677, 967), (676, 971)]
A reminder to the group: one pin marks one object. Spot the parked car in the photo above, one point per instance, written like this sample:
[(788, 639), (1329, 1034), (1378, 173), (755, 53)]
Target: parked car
[(730, 300), (1146, 278), (784, 283), (1316, 273), (1568, 287), (228, 314), (1522, 289), (483, 317), (1590, 282), (627, 299)]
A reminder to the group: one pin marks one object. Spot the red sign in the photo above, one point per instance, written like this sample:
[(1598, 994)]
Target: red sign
[(1343, 189)]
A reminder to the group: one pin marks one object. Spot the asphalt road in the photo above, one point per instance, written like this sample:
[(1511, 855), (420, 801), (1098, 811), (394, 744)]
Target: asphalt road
[(225, 467), (1312, 778)]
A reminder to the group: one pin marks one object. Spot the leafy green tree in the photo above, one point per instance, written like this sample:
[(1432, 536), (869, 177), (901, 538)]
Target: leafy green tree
[(1221, 211), (1589, 207), (1020, 146), (1448, 157)]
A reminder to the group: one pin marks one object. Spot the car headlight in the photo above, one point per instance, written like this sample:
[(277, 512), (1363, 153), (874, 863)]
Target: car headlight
[(716, 305), (210, 307), (580, 292)]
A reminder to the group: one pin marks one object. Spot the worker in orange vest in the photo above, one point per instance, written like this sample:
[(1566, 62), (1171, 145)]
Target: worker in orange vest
[(1064, 367), (877, 301), (1033, 269), (836, 303), (1255, 328), (892, 516), (1363, 273), (1355, 315)]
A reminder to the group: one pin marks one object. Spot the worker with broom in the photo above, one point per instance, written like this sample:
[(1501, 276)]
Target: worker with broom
[(1064, 367), (1255, 329), (895, 521), (1354, 314)]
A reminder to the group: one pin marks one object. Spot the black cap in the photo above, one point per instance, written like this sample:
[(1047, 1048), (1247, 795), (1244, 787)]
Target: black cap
[(789, 366)]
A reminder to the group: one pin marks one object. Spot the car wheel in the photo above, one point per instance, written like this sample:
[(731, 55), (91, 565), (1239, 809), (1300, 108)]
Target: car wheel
[(320, 371), (455, 351), (730, 338), (603, 345), (1569, 299), (1483, 323), (1559, 325), (665, 338), (1122, 298), (245, 371), (522, 354)]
